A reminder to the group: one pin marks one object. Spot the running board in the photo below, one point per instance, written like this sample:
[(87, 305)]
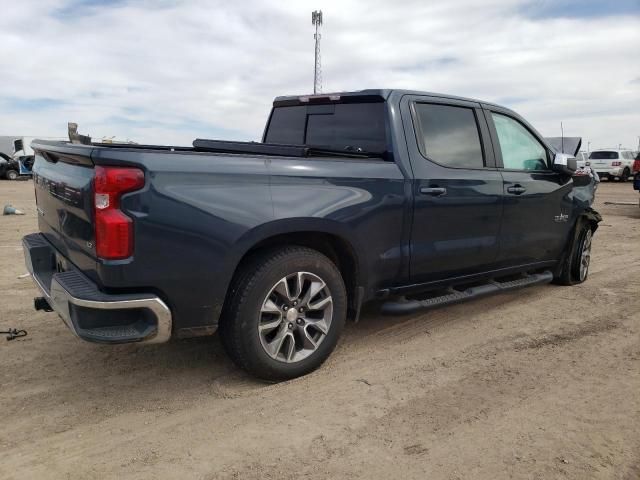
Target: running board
[(404, 306)]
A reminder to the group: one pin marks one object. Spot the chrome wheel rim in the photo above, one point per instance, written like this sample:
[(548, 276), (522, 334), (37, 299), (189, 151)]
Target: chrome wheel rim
[(295, 317), (585, 255)]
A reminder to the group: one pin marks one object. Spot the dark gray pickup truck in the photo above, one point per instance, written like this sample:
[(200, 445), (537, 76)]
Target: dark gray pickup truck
[(416, 199)]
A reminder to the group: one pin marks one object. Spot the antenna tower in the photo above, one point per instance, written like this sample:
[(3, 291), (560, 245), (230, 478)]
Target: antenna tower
[(316, 21)]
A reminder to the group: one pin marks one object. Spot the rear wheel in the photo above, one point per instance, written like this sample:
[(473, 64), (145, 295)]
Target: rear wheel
[(12, 175), (575, 268), (625, 175), (285, 313)]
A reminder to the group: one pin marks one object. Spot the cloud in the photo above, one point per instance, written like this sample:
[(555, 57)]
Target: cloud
[(170, 71)]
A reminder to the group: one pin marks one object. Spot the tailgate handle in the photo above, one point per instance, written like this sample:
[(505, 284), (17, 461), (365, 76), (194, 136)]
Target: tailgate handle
[(49, 157), (433, 191)]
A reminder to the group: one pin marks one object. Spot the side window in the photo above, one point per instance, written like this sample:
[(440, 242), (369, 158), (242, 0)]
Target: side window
[(449, 135), (520, 149)]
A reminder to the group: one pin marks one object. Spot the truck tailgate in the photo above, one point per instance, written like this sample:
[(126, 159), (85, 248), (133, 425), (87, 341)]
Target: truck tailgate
[(63, 180)]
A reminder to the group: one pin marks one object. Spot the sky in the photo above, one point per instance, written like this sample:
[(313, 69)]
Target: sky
[(167, 72)]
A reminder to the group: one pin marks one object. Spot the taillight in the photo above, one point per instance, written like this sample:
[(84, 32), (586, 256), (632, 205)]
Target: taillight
[(616, 164), (114, 229), (636, 166)]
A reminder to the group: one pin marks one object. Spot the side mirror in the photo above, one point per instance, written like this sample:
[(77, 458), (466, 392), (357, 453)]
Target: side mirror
[(564, 163)]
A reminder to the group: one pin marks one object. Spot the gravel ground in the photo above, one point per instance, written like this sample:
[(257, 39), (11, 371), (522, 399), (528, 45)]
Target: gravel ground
[(534, 384)]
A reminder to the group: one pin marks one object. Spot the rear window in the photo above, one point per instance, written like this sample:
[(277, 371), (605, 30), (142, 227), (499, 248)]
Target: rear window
[(604, 155), (349, 126)]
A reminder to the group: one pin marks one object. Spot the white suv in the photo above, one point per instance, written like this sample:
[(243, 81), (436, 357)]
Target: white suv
[(582, 158), (612, 163)]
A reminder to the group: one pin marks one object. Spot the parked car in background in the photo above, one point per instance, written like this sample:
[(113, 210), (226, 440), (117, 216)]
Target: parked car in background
[(636, 177), (582, 158), (13, 168), (636, 164), (9, 167), (612, 163)]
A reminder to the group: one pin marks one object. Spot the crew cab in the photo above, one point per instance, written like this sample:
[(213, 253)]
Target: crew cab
[(416, 199)]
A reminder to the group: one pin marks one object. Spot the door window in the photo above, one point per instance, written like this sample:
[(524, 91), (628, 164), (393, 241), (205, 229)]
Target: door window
[(520, 149), (449, 135)]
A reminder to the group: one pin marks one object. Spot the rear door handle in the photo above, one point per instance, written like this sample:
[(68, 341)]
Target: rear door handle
[(516, 189), (433, 191)]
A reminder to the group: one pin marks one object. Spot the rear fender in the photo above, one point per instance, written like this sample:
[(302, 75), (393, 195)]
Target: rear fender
[(275, 228)]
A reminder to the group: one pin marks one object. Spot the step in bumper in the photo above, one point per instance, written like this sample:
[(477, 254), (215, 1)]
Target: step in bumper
[(90, 313)]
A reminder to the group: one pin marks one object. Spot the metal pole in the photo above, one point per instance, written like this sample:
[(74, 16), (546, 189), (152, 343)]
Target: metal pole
[(316, 20), (315, 62)]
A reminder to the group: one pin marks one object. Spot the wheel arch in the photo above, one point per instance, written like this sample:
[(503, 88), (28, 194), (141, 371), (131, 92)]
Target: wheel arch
[(325, 236)]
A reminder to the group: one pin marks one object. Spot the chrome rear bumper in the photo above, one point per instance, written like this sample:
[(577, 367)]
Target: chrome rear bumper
[(89, 313)]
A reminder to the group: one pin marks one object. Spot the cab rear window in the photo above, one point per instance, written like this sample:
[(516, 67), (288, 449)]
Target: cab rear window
[(604, 155), (348, 126)]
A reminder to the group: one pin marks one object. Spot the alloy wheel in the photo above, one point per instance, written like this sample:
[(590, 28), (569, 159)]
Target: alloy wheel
[(295, 317), (585, 255)]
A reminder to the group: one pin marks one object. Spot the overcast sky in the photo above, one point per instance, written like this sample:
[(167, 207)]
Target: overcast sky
[(169, 71)]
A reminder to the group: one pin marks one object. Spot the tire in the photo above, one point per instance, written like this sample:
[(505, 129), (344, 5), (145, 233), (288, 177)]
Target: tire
[(575, 267), (258, 329), (626, 173), (12, 175)]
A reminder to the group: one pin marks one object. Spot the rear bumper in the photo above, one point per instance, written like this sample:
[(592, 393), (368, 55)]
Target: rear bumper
[(611, 172), (89, 313)]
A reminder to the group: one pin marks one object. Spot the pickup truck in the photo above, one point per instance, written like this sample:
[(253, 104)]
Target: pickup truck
[(414, 199)]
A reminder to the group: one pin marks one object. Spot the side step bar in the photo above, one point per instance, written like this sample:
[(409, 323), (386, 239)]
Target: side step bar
[(404, 306)]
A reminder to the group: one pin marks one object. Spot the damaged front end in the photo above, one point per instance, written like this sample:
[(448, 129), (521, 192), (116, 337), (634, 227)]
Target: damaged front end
[(585, 184)]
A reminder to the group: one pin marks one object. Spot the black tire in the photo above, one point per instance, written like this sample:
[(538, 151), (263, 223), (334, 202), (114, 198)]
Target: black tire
[(573, 270), (244, 313), (12, 175), (626, 173)]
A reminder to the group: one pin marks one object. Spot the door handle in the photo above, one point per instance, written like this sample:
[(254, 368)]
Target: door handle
[(516, 189), (433, 191)]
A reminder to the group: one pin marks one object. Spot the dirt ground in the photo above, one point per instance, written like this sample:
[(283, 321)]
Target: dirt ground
[(541, 383)]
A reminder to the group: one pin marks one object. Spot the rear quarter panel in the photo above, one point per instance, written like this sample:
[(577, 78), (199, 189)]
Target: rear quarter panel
[(188, 219), (362, 201)]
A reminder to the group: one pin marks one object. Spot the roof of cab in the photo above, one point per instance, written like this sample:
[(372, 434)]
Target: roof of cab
[(369, 95)]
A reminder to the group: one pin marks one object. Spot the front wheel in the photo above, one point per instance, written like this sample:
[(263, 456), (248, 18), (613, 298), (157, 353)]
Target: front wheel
[(285, 313), (12, 175), (575, 268), (625, 175)]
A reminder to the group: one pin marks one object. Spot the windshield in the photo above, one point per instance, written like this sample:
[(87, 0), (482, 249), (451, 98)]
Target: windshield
[(604, 155), (347, 126)]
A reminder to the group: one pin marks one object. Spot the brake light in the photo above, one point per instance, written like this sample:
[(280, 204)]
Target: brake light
[(636, 166), (616, 164), (114, 229)]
